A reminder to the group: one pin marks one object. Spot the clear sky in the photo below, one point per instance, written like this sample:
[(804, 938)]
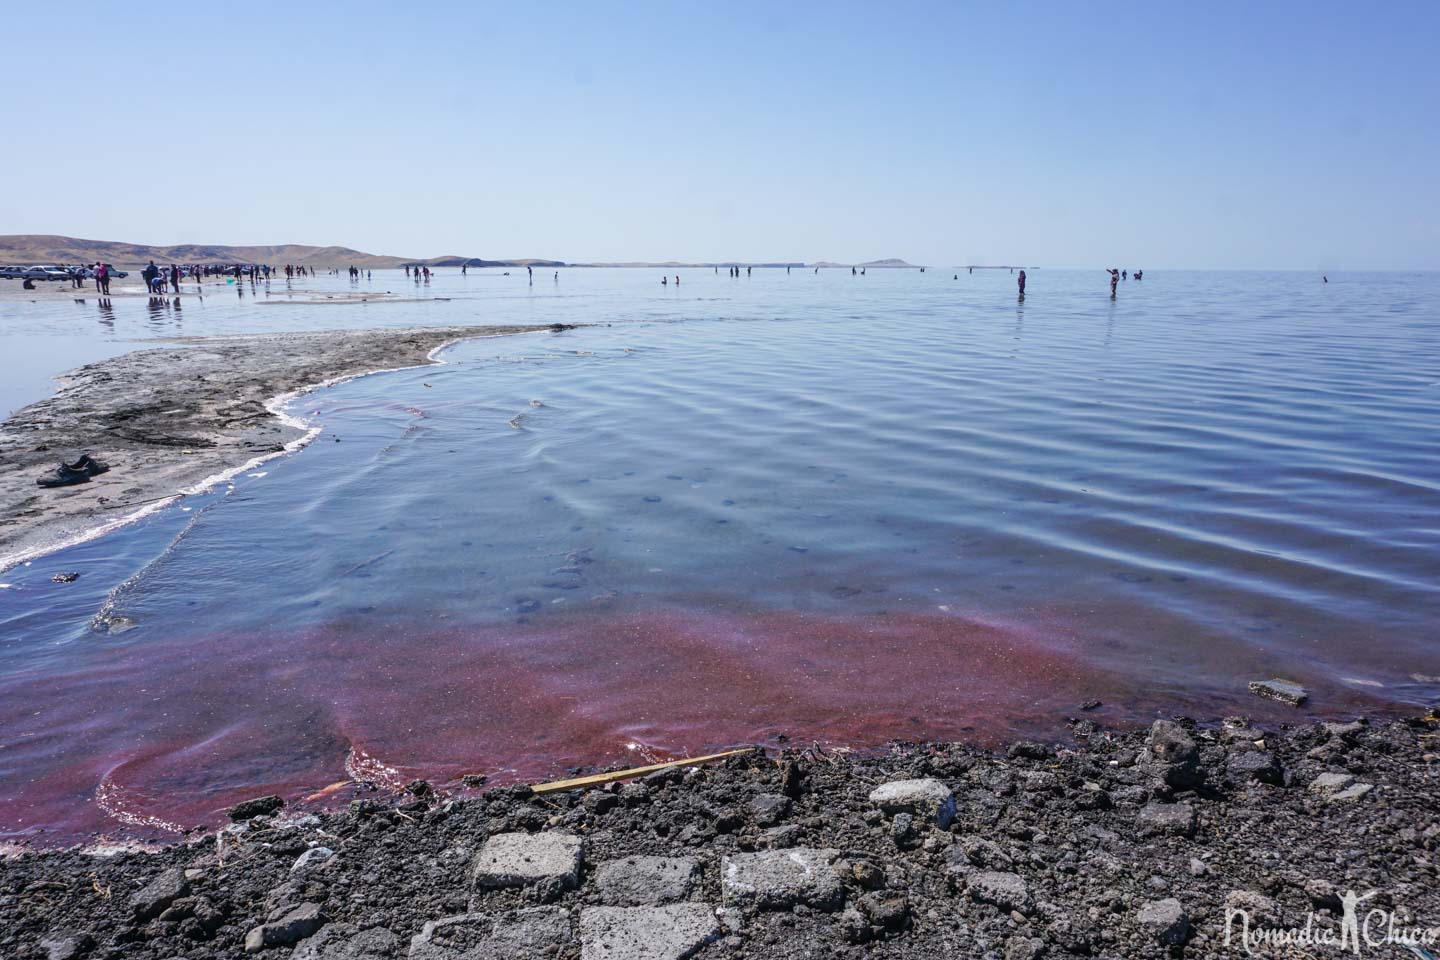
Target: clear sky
[(1211, 135)]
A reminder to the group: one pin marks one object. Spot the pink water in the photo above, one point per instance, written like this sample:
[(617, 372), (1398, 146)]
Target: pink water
[(204, 726)]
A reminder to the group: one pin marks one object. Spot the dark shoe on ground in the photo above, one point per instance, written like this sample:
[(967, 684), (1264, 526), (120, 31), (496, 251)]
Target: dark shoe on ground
[(64, 476)]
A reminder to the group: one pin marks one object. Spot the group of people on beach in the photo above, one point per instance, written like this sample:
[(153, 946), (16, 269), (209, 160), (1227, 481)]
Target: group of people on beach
[(160, 280), (157, 280)]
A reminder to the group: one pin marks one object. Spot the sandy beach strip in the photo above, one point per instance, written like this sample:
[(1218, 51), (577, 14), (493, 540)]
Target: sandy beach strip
[(262, 294), (176, 419)]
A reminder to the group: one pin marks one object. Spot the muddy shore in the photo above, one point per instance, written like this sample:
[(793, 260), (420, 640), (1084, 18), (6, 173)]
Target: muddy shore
[(298, 291), (1112, 845), (168, 419)]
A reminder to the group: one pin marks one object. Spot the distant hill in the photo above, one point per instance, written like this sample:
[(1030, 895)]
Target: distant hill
[(42, 248), (28, 248), (881, 264), (477, 262)]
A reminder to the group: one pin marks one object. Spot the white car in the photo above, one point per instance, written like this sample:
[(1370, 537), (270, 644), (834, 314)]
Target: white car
[(46, 273), (89, 273)]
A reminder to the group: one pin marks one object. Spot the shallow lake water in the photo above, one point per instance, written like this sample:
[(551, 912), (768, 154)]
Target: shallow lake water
[(822, 507)]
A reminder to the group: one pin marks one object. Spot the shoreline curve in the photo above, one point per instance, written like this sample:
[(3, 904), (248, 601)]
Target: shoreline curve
[(176, 421)]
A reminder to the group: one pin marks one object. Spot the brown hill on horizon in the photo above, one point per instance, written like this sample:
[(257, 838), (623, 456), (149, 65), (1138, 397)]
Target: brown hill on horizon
[(30, 248), (878, 264), (37, 248)]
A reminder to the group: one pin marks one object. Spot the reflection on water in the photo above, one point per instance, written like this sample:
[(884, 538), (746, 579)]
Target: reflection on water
[(165, 313), (846, 510)]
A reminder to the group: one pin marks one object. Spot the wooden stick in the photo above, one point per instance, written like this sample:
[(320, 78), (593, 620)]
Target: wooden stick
[(599, 779)]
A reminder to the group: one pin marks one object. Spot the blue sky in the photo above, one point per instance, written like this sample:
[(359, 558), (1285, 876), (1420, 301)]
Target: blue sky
[(1206, 135)]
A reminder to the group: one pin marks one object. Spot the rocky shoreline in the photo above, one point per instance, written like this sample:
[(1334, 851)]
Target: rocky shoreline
[(1111, 844), (167, 420)]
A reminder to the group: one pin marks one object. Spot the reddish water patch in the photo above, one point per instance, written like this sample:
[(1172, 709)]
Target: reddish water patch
[(160, 736)]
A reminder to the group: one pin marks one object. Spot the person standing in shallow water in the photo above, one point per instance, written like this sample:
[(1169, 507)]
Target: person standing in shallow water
[(1021, 282), (1114, 280)]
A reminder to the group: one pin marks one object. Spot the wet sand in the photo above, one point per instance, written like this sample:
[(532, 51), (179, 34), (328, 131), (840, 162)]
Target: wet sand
[(276, 291), (126, 288), (170, 420)]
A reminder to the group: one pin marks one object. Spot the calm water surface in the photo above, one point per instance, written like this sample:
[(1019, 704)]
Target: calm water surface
[(834, 508)]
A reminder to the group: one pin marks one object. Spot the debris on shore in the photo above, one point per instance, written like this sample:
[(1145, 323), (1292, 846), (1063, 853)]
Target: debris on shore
[(1115, 845), (1282, 691)]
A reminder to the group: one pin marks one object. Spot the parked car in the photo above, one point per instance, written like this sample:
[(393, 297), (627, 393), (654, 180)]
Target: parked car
[(11, 273), (46, 273), (88, 272)]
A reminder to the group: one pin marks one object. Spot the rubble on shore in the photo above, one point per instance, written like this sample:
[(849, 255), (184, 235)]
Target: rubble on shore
[(1110, 845)]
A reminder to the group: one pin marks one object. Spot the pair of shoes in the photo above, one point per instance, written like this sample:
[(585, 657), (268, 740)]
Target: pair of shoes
[(69, 474)]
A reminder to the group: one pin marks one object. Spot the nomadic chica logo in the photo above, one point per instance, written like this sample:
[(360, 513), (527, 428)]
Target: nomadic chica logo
[(1358, 932)]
